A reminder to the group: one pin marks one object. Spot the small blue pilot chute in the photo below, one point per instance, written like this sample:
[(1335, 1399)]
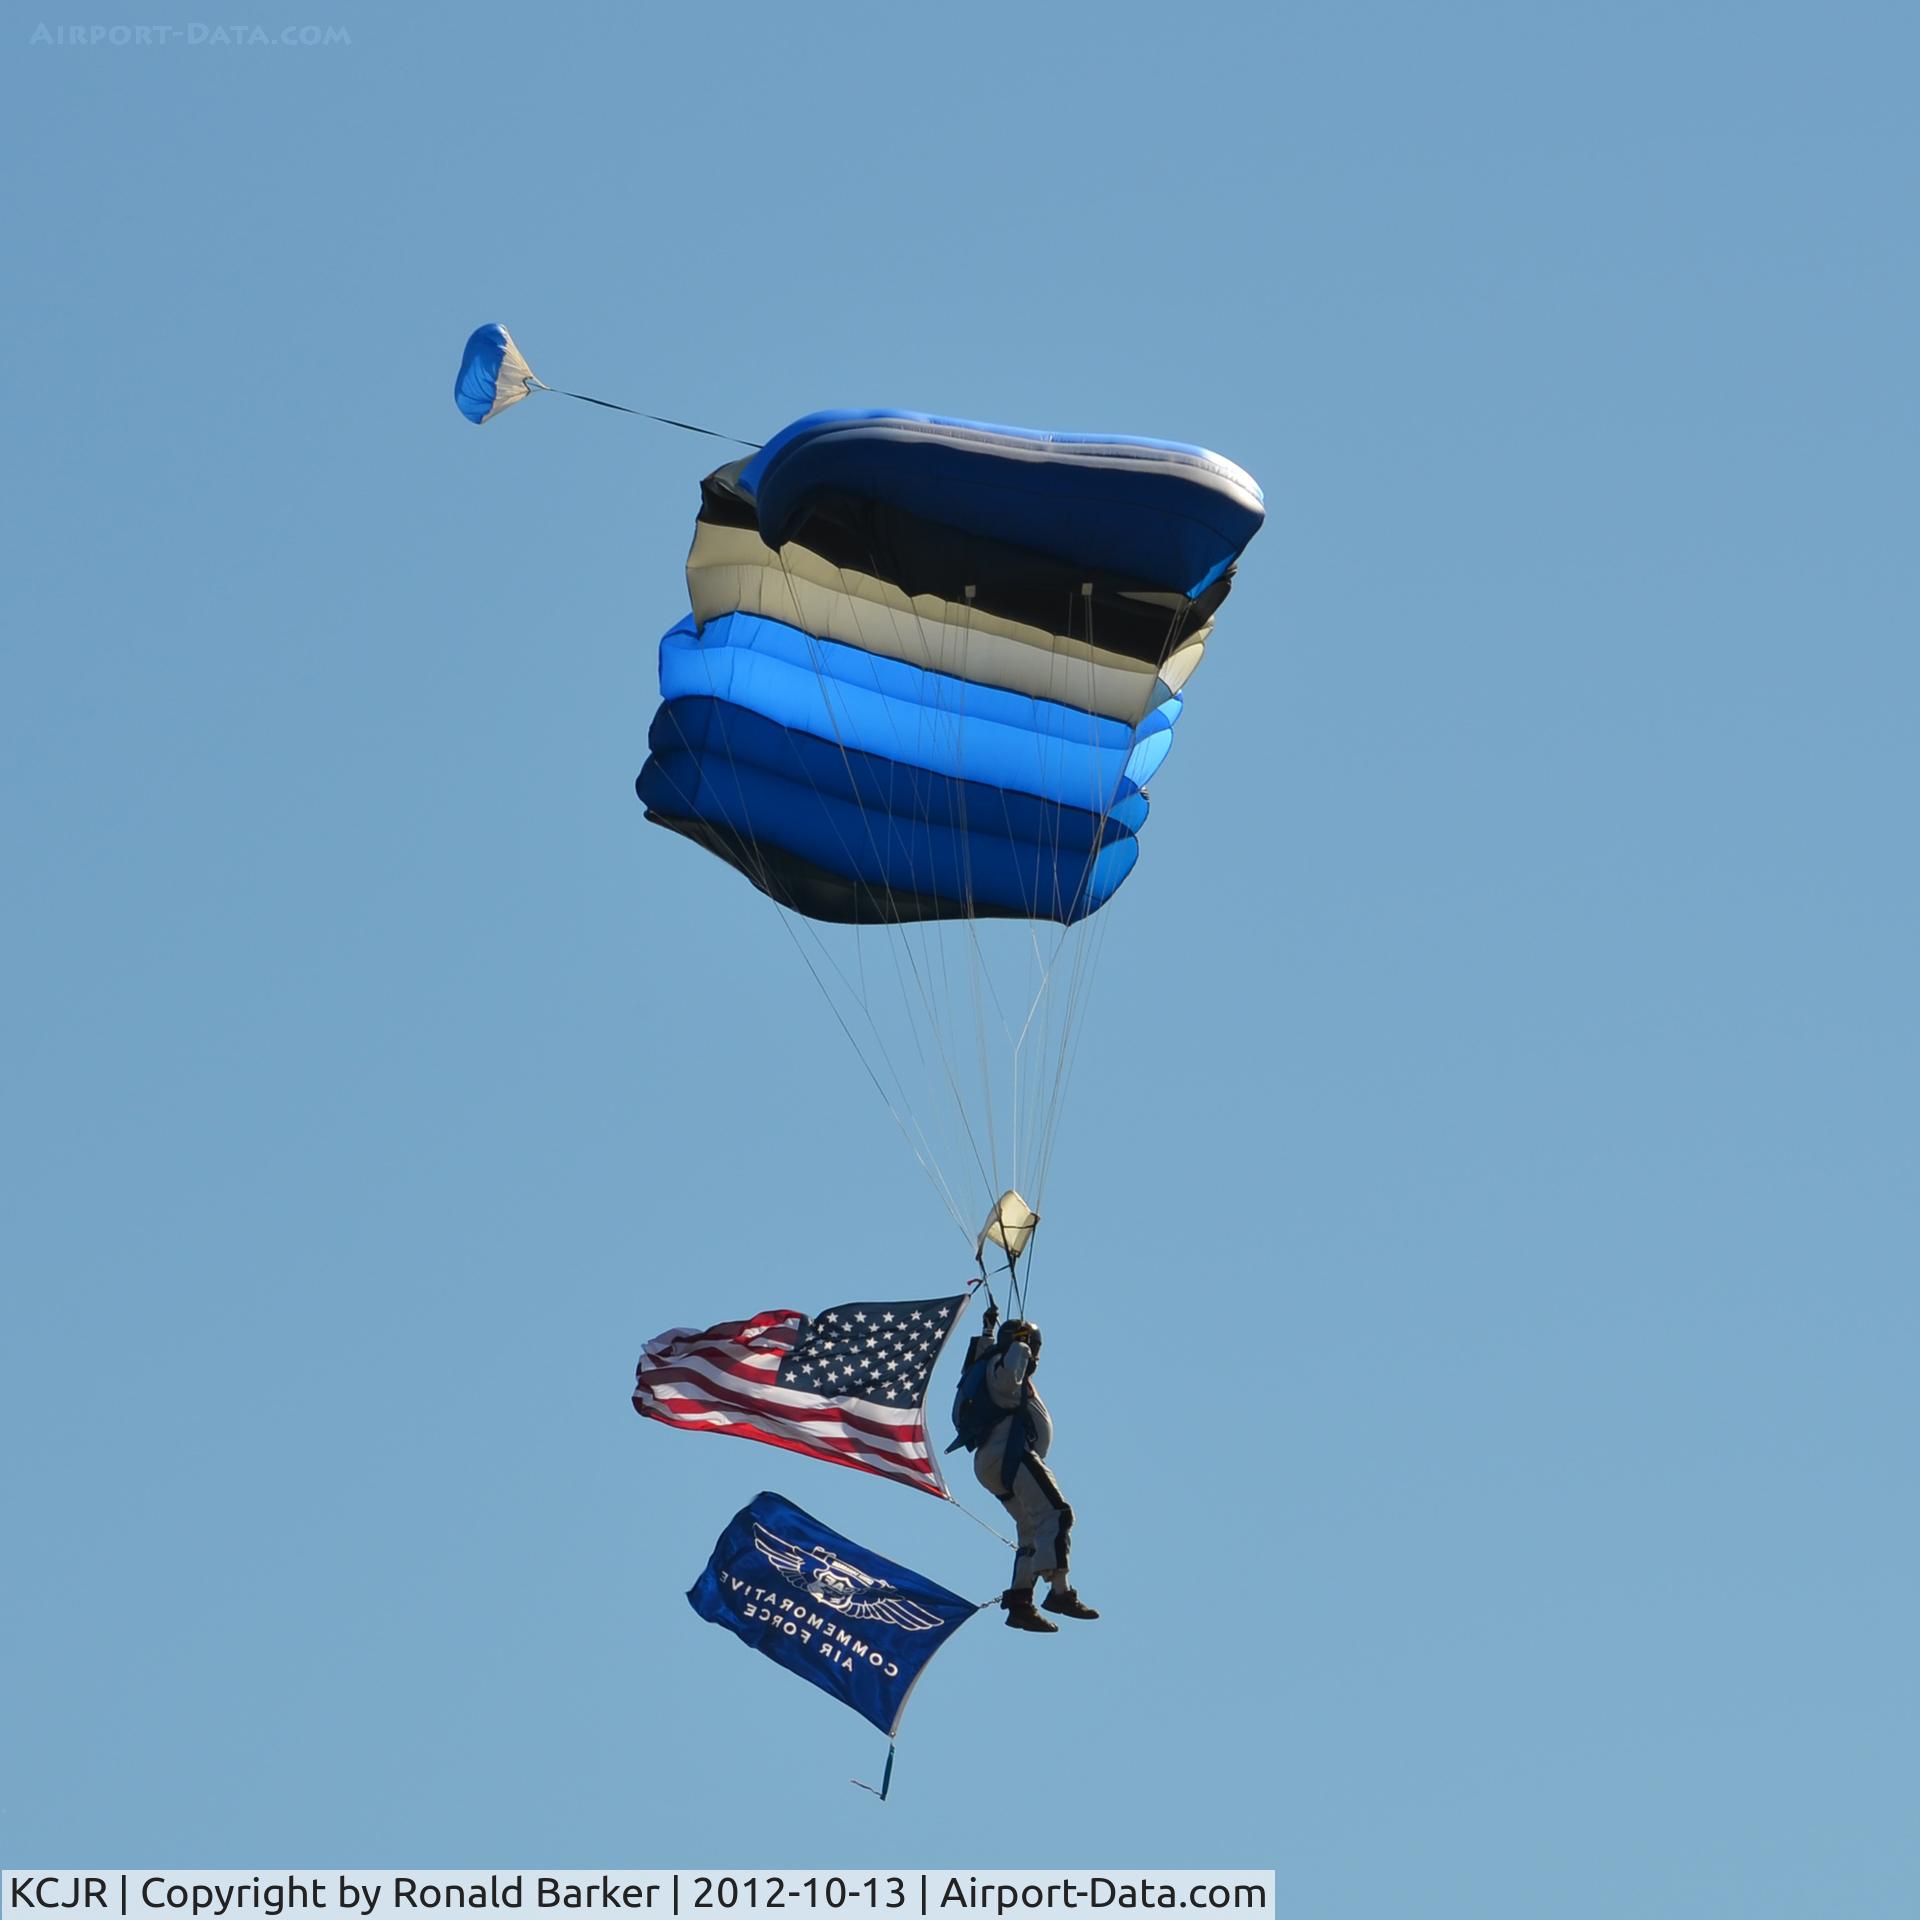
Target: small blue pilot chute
[(493, 375)]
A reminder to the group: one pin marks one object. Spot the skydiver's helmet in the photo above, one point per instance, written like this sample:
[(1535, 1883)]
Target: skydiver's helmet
[(1023, 1331)]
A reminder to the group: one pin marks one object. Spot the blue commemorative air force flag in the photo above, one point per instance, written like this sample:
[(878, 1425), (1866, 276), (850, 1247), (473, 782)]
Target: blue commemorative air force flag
[(828, 1609)]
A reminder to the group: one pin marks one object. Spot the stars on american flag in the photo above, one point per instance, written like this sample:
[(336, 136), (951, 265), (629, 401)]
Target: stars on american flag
[(870, 1350)]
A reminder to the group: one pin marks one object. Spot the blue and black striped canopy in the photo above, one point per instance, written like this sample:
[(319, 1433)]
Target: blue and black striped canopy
[(931, 664)]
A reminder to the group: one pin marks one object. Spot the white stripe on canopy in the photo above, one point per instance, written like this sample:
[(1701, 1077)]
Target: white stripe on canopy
[(732, 570)]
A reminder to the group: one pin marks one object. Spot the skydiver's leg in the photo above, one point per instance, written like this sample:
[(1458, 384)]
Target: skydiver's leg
[(1043, 1525), (1053, 1541), (988, 1461), (1042, 1520), (1047, 1521)]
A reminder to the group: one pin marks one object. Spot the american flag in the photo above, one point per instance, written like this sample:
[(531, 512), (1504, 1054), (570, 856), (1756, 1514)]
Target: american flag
[(847, 1386)]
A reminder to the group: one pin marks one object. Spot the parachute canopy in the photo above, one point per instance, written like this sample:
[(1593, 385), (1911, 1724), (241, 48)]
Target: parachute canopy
[(492, 375), (931, 665)]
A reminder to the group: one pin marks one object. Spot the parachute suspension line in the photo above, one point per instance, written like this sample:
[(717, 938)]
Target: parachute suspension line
[(900, 938), (1089, 946), (980, 1261), (660, 419), (950, 721), (1020, 1271), (976, 964), (949, 716), (922, 1150), (1037, 909), (980, 973), (895, 949), (1045, 999), (1090, 943), (1086, 966), (1015, 1289), (860, 994), (1082, 982), (929, 1164), (1074, 934), (1053, 1002), (1036, 995)]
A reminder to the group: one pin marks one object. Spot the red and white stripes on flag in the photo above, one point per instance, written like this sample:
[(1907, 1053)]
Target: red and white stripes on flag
[(726, 1379)]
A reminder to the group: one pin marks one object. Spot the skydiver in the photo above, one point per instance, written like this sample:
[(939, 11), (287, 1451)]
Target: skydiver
[(1009, 1459)]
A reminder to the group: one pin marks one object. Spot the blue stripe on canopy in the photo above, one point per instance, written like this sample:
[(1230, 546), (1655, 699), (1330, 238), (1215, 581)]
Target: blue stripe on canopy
[(477, 381), (1153, 512), (906, 844), (869, 703)]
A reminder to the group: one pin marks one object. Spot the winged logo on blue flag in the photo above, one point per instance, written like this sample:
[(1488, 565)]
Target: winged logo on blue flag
[(839, 1584), (858, 1626)]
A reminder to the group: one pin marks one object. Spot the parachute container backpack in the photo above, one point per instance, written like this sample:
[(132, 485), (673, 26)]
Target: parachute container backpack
[(929, 669)]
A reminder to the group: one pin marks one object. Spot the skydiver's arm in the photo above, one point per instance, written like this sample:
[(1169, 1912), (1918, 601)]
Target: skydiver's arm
[(1008, 1375)]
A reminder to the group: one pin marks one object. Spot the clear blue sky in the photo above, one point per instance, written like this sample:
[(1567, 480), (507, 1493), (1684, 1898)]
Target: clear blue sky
[(1481, 1259)]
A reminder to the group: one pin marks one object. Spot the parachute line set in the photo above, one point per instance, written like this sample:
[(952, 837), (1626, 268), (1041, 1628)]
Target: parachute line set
[(928, 668)]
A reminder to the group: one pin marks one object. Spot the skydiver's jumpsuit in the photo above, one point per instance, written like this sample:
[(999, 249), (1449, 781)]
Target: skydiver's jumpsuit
[(1041, 1518)]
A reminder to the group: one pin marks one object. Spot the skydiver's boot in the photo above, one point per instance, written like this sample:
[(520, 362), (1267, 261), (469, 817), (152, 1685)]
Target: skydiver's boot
[(1065, 1600), (1022, 1613)]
